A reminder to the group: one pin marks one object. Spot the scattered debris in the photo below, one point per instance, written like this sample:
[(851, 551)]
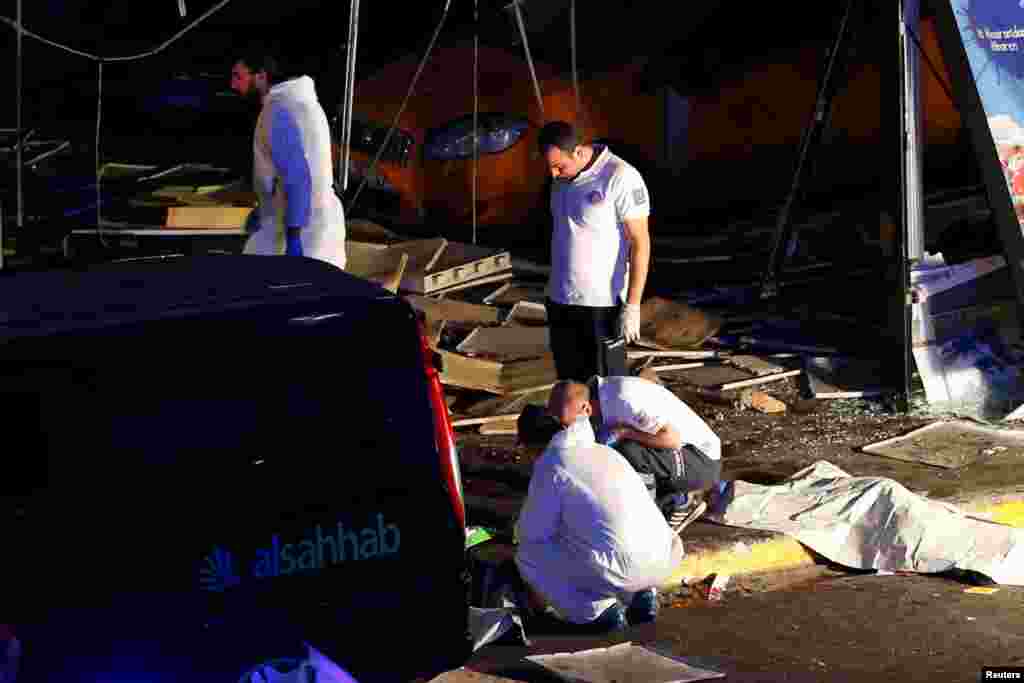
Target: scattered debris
[(762, 402), (950, 445)]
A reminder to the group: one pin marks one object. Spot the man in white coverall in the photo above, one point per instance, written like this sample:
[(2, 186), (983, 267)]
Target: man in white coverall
[(590, 535), (299, 213)]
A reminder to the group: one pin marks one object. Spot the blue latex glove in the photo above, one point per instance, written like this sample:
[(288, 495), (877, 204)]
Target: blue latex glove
[(294, 243)]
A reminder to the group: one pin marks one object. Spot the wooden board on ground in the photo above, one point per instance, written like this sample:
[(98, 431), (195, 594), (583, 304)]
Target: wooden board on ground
[(507, 343), (508, 404), (528, 376), (512, 293), (507, 426), (527, 313), (756, 365), (471, 373), (363, 259), (841, 377), (713, 375), (675, 325), (362, 230), (950, 445), (454, 311), (473, 283), (455, 264), (518, 377), (207, 217)]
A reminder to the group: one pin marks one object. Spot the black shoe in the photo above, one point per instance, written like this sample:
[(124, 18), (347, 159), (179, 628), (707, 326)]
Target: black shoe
[(643, 609)]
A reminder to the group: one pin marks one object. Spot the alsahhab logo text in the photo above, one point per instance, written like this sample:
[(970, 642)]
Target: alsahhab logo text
[(321, 548)]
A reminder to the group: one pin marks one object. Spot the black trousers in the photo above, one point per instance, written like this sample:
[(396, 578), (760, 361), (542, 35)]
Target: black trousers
[(586, 341), (687, 469)]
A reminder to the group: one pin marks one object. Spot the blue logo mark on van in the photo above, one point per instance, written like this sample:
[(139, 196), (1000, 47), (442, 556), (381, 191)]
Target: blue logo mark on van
[(322, 547), (218, 572)]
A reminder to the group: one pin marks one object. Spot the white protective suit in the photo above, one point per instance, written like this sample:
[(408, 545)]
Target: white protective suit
[(589, 532), (294, 176)]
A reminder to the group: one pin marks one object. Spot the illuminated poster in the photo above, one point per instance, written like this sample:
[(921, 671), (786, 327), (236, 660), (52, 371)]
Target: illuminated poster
[(992, 32)]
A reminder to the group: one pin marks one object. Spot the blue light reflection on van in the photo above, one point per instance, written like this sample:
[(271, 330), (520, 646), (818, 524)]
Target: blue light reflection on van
[(454, 140)]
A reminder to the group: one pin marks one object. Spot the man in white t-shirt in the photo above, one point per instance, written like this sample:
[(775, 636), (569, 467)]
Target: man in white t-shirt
[(657, 433), (600, 254), (590, 539)]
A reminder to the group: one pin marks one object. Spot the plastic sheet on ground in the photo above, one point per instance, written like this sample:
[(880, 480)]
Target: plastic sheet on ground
[(622, 663), (876, 523)]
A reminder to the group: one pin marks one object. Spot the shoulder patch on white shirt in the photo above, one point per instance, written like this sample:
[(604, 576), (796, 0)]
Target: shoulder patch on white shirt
[(639, 196)]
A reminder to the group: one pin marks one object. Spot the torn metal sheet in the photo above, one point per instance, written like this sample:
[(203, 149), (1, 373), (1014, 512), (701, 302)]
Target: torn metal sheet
[(876, 523), (950, 445), (622, 663)]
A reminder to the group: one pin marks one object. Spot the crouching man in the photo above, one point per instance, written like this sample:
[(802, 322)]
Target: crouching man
[(672, 448), (593, 545)]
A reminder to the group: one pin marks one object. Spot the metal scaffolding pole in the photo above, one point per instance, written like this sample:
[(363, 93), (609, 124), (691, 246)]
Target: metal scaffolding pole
[(19, 87), (345, 138), (912, 161)]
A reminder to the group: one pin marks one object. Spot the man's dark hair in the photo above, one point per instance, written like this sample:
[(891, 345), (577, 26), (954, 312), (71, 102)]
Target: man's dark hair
[(259, 59), (558, 134), (535, 426)]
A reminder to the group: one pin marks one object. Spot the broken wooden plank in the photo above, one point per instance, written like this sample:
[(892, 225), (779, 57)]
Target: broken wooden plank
[(470, 373), (512, 293), (470, 421), (457, 264), (675, 366), (713, 375), (392, 279), (754, 364), (513, 403), (207, 217), (689, 355), (759, 380), (528, 376), (474, 283), (507, 342), (454, 311), (527, 313)]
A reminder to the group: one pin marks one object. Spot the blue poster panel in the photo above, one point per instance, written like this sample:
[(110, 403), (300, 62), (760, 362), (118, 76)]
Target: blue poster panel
[(992, 32)]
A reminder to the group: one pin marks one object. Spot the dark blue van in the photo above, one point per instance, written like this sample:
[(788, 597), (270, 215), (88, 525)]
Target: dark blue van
[(215, 462)]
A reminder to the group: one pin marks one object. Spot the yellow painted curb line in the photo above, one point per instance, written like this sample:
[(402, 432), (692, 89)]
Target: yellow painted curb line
[(773, 554), (1011, 513)]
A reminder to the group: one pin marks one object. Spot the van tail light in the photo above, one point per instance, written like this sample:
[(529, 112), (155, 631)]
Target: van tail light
[(444, 434)]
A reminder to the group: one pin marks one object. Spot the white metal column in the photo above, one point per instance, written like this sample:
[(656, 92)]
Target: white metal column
[(913, 131)]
